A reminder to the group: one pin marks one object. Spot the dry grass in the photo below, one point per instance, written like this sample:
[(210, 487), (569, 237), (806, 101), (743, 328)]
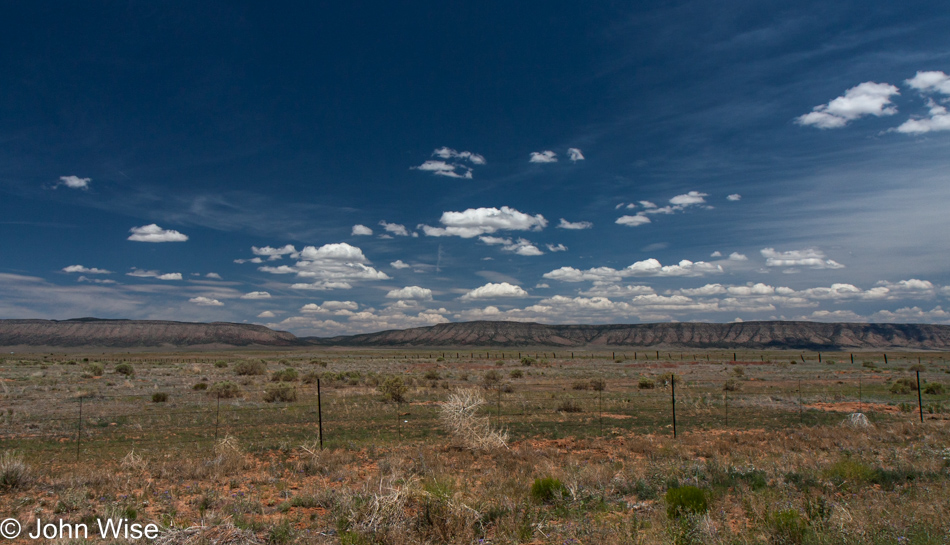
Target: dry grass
[(459, 416)]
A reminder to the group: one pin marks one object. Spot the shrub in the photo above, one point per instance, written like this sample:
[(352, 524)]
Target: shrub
[(547, 490), (685, 501), (528, 361), (787, 527), (94, 369), (280, 392), (917, 367), (284, 375), (393, 389), (250, 368), (868, 364), (847, 470), (499, 363), (432, 374), (14, 473), (125, 369), (580, 385), (730, 386), (598, 384), (646, 384), (459, 418), (225, 390), (516, 373), (491, 379), (569, 406), (904, 386), (220, 364), (159, 397), (200, 386), (310, 378), (934, 388)]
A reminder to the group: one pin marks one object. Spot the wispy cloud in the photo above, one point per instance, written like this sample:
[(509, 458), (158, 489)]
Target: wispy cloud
[(85, 270), (451, 163), (810, 257), (575, 154), (256, 295), (74, 182), (395, 228), (576, 225), (142, 273), (205, 301)]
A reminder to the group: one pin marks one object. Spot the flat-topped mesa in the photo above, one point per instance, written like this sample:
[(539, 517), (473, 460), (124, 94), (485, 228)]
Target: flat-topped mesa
[(748, 335), (138, 333)]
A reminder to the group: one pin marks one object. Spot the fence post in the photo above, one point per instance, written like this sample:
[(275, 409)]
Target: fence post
[(217, 416), (920, 403), (673, 396), (600, 407), (801, 405), (860, 392), (726, 396), (319, 414), (79, 435)]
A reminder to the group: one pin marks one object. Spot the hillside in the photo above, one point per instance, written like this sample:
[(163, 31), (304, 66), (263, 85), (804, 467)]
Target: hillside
[(751, 335), (137, 333)]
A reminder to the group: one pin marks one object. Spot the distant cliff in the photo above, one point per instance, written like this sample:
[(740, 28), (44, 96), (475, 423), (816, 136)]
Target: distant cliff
[(137, 333), (751, 335)]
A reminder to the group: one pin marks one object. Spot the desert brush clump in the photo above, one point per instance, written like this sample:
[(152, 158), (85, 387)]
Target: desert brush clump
[(280, 392), (250, 368), (14, 472), (459, 416)]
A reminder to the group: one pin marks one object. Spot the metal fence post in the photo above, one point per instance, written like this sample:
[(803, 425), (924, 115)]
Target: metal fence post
[(673, 397), (79, 434), (920, 403), (319, 414)]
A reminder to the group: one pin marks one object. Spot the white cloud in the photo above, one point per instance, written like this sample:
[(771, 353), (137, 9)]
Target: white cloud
[(492, 290), (206, 302), (95, 280), (256, 295), (912, 314), (575, 154), (252, 260), (395, 228), (74, 182), (449, 153), (576, 225), (267, 314), (646, 204), (926, 82), (647, 267), (687, 199), (811, 258), (340, 308), (633, 221), (734, 197), (154, 233), (331, 266), (939, 120), (521, 246), (273, 253), (559, 248), (85, 270), (361, 230), (543, 157), (868, 98), (411, 292), (214, 275), (736, 256), (142, 273), (474, 222), (717, 253), (399, 264)]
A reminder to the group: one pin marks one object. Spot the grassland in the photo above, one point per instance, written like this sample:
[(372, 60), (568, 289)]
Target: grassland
[(191, 440)]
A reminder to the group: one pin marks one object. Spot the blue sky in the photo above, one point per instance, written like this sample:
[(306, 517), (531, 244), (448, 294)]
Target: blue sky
[(331, 169)]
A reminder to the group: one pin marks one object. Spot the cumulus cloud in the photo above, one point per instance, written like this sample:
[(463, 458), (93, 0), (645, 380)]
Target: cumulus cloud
[(543, 157), (558, 248), (399, 264), (331, 266), (811, 258), (575, 154), (868, 98), (340, 308), (521, 246), (252, 260), (927, 82), (395, 228), (142, 273), (267, 314), (938, 120), (633, 221), (256, 295), (475, 222), (213, 275), (717, 253), (361, 230), (451, 163), (736, 256), (85, 270), (687, 199), (575, 225), (273, 253), (206, 301), (647, 267), (493, 291), (734, 197), (912, 314), (154, 233), (411, 292), (74, 182)]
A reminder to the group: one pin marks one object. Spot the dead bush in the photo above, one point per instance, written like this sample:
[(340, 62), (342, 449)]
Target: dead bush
[(459, 417)]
